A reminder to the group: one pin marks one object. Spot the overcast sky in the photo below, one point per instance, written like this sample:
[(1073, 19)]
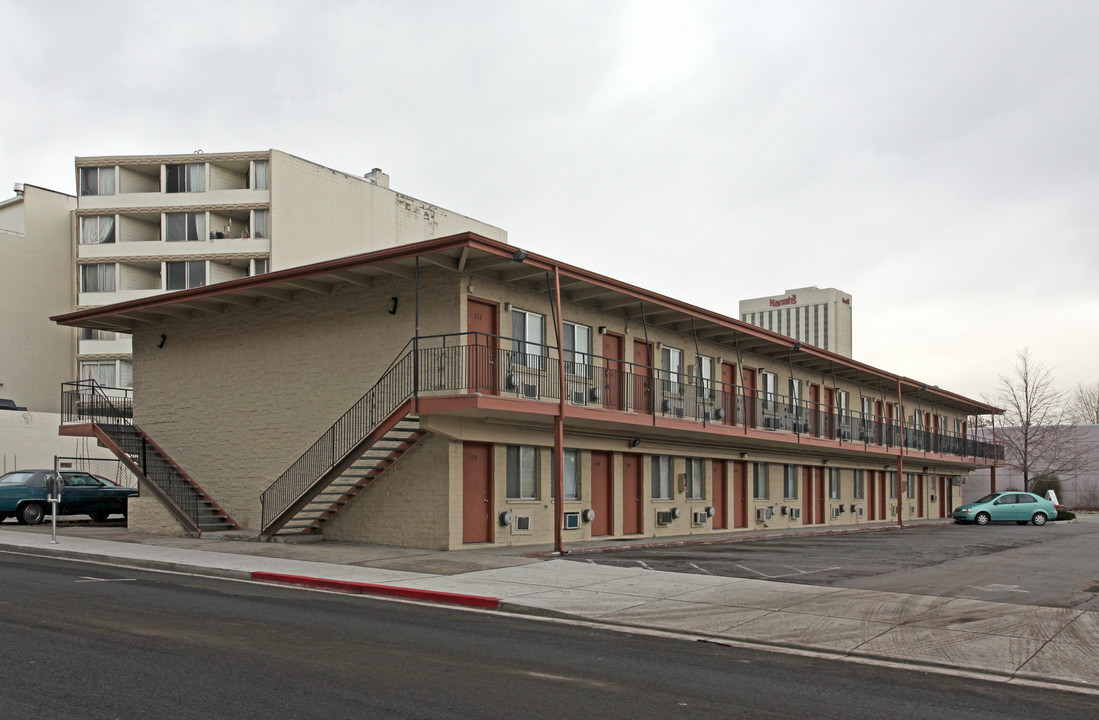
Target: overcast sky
[(937, 160)]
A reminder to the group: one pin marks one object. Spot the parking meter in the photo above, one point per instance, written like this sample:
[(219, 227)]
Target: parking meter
[(54, 483)]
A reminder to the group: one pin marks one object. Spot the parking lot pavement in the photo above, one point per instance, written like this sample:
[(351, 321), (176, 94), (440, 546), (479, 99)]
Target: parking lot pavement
[(1050, 566)]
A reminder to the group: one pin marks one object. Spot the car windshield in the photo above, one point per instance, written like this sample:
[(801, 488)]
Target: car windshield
[(16, 477), (988, 498)]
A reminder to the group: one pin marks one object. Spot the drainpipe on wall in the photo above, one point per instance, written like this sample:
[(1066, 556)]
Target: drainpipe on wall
[(558, 424), (992, 470), (416, 345)]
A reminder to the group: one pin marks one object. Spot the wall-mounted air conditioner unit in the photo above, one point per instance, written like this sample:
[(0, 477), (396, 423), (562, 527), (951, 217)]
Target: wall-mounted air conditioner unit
[(836, 512), (677, 411), (795, 513), (934, 497), (522, 522), (530, 390), (861, 512), (664, 517), (579, 397), (701, 517), (764, 514), (572, 521)]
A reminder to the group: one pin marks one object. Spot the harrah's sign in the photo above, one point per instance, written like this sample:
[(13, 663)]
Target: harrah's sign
[(791, 300)]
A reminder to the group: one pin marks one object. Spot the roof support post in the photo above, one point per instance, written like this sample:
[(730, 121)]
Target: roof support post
[(900, 461), (992, 470), (652, 366), (558, 423), (740, 393), (416, 343)]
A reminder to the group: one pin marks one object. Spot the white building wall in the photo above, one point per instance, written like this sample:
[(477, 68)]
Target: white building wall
[(35, 261), (799, 313)]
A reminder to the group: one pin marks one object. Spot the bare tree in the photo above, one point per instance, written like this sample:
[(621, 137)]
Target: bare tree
[(1037, 435), (1083, 405)]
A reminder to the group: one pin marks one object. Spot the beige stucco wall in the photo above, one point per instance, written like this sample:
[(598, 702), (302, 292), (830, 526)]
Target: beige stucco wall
[(30, 440), (35, 277), (409, 504), (235, 397), (318, 214)]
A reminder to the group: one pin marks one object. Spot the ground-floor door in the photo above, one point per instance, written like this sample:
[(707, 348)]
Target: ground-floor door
[(632, 507), (602, 497), (943, 487), (720, 495), (882, 494), (740, 494), (919, 496), (872, 495), (476, 492), (818, 495), (807, 504)]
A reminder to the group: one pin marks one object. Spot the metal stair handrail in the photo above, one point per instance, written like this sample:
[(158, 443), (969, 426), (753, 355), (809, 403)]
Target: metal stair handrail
[(86, 401), (393, 388)]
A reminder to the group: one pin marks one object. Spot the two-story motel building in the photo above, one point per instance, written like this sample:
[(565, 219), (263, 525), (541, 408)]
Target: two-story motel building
[(419, 395)]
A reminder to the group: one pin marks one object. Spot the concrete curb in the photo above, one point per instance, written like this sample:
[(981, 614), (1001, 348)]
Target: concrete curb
[(359, 588)]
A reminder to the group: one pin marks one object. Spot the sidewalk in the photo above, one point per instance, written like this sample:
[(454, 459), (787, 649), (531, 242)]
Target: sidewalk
[(1012, 643)]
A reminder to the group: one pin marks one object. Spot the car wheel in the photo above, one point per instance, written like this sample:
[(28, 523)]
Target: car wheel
[(31, 514), (1020, 522), (982, 518), (1039, 518), (101, 517)]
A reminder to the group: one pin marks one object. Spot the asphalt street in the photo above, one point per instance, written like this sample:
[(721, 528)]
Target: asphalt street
[(1052, 566), (85, 641)]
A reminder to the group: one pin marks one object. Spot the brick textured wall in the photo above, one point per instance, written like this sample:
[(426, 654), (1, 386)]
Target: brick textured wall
[(236, 397)]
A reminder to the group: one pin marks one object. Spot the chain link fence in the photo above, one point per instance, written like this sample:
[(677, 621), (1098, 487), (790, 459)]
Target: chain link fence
[(110, 468)]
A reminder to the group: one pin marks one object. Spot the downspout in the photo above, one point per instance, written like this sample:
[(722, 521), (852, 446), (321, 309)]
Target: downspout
[(992, 476), (699, 390), (652, 364), (558, 423), (900, 459)]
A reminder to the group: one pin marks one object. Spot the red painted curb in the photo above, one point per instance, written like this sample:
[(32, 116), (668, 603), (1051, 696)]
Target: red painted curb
[(359, 588)]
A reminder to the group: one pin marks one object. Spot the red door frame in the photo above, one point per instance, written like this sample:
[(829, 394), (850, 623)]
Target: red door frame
[(749, 391), (602, 495), (642, 400), (814, 409), (484, 344), (740, 494), (720, 495), (613, 377), (807, 503), (477, 505), (872, 496), (818, 494), (728, 387), (632, 494)]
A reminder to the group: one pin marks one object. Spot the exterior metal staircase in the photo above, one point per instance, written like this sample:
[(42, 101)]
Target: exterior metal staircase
[(110, 419), (362, 471), (350, 455)]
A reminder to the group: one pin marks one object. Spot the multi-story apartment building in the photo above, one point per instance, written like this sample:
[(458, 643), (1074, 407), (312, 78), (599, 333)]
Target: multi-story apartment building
[(151, 224), (809, 314), (35, 262), (460, 391)]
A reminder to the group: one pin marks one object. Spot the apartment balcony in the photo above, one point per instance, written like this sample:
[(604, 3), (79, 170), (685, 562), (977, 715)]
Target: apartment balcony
[(120, 344), (181, 182), (486, 377)]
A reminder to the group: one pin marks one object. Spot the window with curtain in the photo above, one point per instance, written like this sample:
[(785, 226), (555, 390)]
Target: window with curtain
[(760, 481), (527, 331), (262, 172), (185, 227), (185, 178), (571, 476), (672, 359), (102, 371), (790, 482), (97, 278), (577, 348), (90, 334), (696, 482), (704, 376), (97, 230), (661, 477), (97, 181), (125, 373), (261, 223), (860, 484), (522, 472)]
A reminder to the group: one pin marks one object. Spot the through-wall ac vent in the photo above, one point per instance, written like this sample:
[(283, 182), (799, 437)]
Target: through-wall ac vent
[(664, 517), (836, 512), (764, 514), (522, 522), (530, 390), (579, 397), (861, 512), (678, 412), (701, 517), (572, 521)]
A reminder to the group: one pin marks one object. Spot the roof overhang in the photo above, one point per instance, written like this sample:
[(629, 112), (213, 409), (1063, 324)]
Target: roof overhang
[(473, 255)]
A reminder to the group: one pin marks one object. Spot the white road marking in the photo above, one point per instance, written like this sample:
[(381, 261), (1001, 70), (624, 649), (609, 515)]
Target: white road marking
[(796, 571), (92, 579), (642, 564), (701, 570), (998, 588), (562, 678)]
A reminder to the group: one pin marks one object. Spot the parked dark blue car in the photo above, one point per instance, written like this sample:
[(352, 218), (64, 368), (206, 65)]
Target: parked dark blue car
[(23, 496)]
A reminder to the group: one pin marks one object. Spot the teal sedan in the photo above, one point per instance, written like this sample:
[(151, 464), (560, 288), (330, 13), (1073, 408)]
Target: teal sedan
[(1022, 507)]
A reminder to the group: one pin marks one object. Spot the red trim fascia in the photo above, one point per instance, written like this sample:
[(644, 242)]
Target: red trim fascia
[(361, 588)]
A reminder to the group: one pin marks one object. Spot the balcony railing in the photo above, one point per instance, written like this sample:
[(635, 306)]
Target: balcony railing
[(491, 365), (86, 401)]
